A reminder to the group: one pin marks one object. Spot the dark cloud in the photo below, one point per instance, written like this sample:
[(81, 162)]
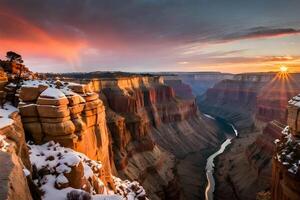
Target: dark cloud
[(260, 32), (119, 32)]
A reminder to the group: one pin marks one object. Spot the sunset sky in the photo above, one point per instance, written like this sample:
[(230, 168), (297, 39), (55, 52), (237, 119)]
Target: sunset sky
[(152, 35)]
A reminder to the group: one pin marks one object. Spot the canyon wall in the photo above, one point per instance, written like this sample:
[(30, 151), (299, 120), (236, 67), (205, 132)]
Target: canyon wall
[(182, 90), (235, 99), (150, 123), (251, 102), (200, 82)]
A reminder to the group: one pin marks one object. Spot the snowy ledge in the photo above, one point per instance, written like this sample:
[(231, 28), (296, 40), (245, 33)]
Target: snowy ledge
[(287, 152), (56, 162), (5, 113)]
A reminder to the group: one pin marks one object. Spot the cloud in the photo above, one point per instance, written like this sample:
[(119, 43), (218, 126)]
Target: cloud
[(280, 58), (136, 33), (260, 32)]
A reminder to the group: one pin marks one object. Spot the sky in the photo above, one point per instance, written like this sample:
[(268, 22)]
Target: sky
[(152, 35)]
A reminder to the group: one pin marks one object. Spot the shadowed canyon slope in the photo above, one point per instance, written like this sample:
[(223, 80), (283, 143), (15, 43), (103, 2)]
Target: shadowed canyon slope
[(251, 102)]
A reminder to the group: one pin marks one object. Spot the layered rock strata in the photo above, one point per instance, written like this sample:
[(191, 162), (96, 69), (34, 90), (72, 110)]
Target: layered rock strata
[(146, 116), (73, 115)]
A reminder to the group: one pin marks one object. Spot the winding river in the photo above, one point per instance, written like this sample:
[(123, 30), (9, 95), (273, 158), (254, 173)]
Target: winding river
[(210, 188)]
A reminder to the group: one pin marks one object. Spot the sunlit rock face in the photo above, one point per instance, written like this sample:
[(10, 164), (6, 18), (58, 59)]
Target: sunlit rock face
[(70, 114), (13, 156)]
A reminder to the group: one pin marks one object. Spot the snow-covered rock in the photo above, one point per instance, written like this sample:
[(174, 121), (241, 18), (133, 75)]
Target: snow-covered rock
[(58, 171)]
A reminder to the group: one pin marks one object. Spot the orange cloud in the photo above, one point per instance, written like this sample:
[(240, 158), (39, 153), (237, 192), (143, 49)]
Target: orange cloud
[(20, 35)]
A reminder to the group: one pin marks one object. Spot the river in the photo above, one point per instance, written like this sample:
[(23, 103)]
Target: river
[(210, 188)]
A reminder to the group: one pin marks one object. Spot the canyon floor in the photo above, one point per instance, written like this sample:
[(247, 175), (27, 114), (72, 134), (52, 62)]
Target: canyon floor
[(232, 174)]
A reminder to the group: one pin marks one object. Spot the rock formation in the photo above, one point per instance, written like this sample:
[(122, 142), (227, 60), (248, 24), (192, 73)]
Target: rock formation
[(285, 166), (135, 127), (54, 172), (73, 116), (149, 121), (13, 156)]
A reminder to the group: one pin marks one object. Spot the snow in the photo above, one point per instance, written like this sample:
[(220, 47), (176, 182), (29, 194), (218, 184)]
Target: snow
[(53, 93), (295, 101), (61, 179), (3, 144), (287, 150), (5, 112), (26, 172), (59, 160)]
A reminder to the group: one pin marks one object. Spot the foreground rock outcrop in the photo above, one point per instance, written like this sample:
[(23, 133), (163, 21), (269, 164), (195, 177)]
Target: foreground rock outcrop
[(286, 160), (13, 156), (73, 116)]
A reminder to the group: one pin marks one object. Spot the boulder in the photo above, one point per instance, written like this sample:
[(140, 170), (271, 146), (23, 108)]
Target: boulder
[(55, 102), (76, 176), (75, 99), (29, 93), (80, 88)]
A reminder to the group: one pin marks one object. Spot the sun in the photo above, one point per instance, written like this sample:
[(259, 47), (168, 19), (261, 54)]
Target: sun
[(283, 69)]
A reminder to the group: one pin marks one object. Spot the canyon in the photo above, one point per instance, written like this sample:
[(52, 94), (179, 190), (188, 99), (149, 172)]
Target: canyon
[(142, 136), (135, 127), (256, 104)]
